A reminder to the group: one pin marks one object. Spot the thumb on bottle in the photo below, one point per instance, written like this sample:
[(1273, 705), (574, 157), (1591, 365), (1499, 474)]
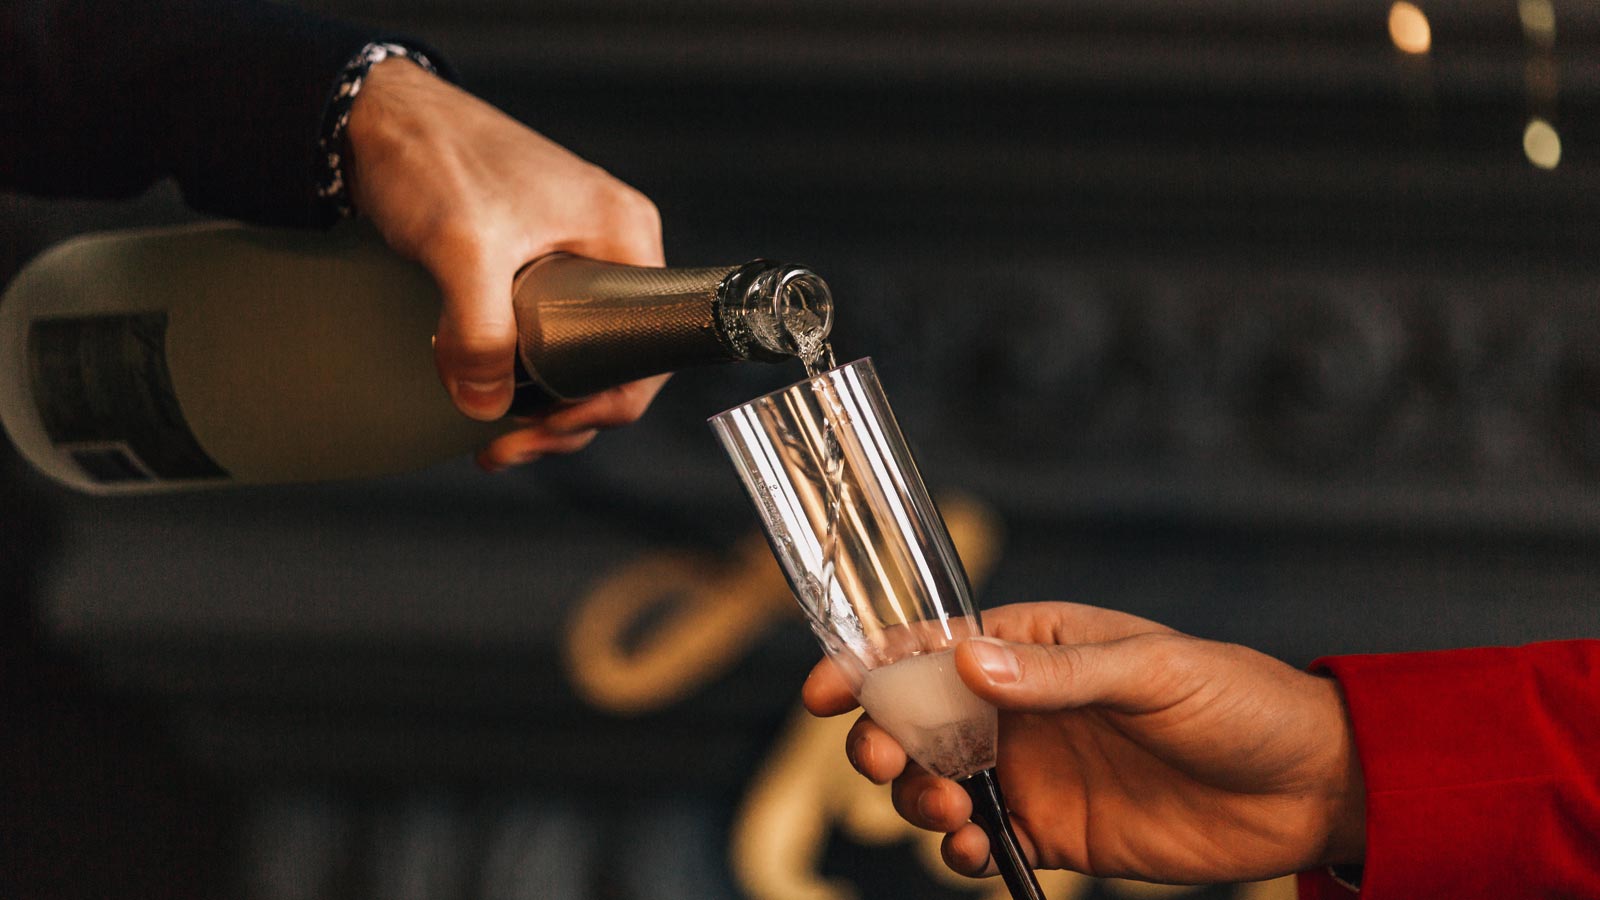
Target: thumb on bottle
[(477, 339), (1046, 677)]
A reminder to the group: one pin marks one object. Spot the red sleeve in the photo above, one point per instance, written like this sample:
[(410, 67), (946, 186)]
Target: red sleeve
[(1319, 886), (1482, 770)]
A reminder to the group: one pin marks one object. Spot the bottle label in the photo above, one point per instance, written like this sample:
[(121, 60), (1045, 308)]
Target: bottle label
[(105, 399)]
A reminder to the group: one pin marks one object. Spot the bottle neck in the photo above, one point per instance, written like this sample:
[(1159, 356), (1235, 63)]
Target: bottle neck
[(772, 312), (585, 325)]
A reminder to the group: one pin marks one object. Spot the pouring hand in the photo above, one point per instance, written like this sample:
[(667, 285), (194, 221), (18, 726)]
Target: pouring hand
[(472, 194)]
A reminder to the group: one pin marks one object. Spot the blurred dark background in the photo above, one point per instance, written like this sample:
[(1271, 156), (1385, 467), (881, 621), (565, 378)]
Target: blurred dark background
[(1233, 314)]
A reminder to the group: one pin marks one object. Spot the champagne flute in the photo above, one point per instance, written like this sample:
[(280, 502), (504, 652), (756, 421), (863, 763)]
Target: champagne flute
[(870, 561)]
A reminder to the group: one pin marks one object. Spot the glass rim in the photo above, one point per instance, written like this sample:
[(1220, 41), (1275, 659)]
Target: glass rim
[(791, 386)]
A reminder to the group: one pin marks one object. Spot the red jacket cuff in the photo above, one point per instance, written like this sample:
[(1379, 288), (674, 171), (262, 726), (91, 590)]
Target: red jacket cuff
[(1482, 771)]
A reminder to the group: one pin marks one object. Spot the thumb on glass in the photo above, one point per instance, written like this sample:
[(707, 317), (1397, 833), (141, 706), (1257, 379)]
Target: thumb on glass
[(1046, 677)]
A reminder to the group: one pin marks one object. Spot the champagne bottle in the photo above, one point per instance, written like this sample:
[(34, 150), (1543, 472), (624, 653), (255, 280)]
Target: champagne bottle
[(222, 353)]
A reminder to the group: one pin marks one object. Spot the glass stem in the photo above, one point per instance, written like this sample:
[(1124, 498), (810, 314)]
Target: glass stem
[(989, 812)]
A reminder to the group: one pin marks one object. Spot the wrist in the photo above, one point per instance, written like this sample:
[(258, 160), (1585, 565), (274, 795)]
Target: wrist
[(371, 111), (1345, 793), (372, 114), (358, 116)]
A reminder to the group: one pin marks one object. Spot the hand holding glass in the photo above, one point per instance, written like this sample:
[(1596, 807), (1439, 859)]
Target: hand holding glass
[(870, 561)]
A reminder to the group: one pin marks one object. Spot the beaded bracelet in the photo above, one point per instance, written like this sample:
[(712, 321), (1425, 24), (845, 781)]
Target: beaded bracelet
[(330, 181)]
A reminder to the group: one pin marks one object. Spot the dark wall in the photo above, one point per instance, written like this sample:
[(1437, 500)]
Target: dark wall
[(1230, 314)]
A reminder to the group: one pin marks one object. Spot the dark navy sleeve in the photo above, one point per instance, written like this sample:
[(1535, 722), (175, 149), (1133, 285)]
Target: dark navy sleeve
[(228, 97)]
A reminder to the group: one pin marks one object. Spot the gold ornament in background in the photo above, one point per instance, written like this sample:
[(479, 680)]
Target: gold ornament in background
[(712, 609)]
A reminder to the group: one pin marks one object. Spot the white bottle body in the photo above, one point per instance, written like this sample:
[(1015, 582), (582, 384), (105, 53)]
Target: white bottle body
[(217, 354)]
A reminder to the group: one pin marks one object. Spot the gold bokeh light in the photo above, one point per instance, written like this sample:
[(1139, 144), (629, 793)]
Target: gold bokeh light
[(1542, 144), (1409, 28), (1538, 21)]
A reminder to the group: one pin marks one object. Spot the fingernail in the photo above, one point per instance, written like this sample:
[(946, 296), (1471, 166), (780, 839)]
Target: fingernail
[(996, 660), (483, 399), (926, 806), (857, 753)]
